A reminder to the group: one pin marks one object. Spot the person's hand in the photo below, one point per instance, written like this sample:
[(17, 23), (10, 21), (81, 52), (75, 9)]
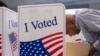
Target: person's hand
[(92, 51), (71, 28)]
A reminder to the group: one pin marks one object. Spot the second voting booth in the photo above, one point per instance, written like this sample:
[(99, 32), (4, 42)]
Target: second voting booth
[(8, 32), (41, 30)]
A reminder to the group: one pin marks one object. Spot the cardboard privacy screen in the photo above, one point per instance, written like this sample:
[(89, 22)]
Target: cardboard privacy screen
[(41, 30), (77, 49), (8, 32)]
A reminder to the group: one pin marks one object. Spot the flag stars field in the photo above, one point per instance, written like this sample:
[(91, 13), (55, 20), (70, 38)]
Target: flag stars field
[(33, 48)]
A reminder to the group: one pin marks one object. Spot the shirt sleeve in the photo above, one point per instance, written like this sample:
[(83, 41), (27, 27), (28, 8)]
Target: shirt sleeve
[(91, 20), (97, 44)]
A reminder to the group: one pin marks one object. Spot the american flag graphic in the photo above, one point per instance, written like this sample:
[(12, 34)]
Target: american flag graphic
[(13, 40), (50, 45), (0, 44), (78, 40)]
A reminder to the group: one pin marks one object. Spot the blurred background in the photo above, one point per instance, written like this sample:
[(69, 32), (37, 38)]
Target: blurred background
[(70, 4)]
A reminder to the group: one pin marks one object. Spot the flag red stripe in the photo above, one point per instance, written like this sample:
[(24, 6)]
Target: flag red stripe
[(0, 42), (14, 45), (52, 39), (52, 35), (14, 48), (0, 38), (57, 49), (54, 44), (61, 54), (0, 47), (0, 54), (0, 34)]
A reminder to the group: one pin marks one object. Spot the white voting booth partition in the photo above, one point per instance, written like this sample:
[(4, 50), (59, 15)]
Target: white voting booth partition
[(41, 30), (8, 32)]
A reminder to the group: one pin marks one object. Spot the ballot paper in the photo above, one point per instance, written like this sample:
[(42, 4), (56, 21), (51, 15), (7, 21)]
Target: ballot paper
[(77, 49)]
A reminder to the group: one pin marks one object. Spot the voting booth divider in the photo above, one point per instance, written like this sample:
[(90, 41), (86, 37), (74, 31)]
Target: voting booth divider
[(8, 32), (41, 30)]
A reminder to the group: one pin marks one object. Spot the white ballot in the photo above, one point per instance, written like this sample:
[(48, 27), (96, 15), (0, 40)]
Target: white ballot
[(41, 29), (8, 32)]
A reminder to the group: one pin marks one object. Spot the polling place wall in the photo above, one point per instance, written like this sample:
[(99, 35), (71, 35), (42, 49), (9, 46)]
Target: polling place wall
[(94, 6), (41, 30), (8, 32)]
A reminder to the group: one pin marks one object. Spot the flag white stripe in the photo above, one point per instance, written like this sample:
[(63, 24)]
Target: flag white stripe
[(50, 43), (45, 40), (57, 52), (54, 47), (0, 40)]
